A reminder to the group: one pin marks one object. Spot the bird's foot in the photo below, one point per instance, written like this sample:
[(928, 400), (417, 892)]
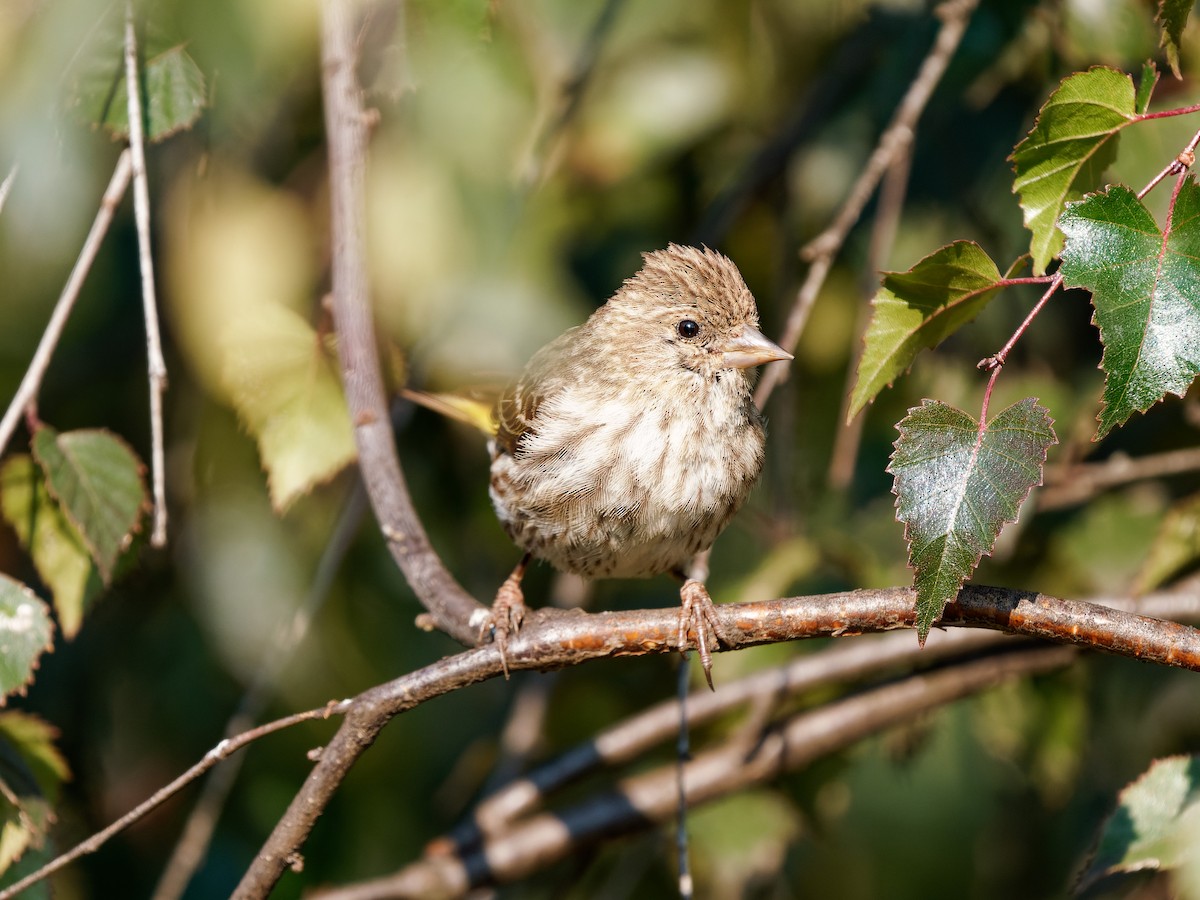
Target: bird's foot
[(505, 617), (698, 613)]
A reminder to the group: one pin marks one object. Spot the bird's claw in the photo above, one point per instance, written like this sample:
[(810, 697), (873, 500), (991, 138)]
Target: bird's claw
[(698, 613), (505, 617)]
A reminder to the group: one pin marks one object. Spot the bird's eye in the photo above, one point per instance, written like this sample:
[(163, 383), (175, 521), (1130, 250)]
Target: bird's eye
[(687, 329)]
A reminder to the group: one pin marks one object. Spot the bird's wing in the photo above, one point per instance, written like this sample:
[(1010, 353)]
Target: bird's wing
[(517, 409)]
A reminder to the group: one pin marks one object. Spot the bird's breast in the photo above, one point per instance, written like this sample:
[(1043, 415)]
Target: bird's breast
[(630, 484)]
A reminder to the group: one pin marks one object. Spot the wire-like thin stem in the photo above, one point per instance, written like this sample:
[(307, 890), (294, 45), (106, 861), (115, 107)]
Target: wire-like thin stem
[(32, 382), (221, 751), (141, 208)]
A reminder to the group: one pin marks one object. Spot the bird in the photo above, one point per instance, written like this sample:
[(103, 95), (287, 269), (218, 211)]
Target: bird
[(628, 443)]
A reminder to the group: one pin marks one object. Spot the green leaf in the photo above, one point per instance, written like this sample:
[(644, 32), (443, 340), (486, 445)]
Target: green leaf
[(1071, 144), (1172, 16), (59, 554), (25, 633), (1146, 293), (31, 773), (97, 481), (1155, 816), (920, 308), (285, 386), (172, 85), (1146, 85), (956, 487)]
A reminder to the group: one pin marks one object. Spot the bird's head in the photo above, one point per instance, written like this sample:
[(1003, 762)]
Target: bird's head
[(693, 308)]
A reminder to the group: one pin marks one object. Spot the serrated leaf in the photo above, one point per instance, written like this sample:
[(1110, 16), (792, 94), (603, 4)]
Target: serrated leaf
[(97, 481), (920, 308), (285, 387), (1152, 814), (25, 633), (58, 552), (1146, 294), (956, 488), (1072, 142), (173, 90), (31, 773), (1172, 17), (1176, 546)]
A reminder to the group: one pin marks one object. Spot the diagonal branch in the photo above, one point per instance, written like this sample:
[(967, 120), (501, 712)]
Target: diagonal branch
[(895, 140), (32, 381)]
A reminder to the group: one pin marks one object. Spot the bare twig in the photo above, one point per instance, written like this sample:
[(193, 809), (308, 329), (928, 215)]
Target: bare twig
[(955, 14), (450, 606), (1071, 484), (28, 389), (6, 185), (883, 235), (141, 210), (198, 829), (221, 751)]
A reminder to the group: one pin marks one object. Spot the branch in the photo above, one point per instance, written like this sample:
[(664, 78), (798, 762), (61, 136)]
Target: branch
[(141, 211), (896, 139), (345, 124), (1070, 484), (647, 799), (32, 382), (551, 639), (557, 638)]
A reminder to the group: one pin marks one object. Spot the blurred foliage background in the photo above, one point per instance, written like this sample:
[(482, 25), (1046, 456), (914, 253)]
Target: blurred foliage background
[(500, 214)]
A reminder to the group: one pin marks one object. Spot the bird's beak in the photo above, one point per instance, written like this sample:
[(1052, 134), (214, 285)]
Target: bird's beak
[(750, 347)]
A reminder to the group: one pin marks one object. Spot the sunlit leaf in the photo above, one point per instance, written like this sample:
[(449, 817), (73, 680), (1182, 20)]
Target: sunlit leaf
[(1146, 292), (920, 308), (1172, 17), (285, 386), (31, 771), (58, 552), (1072, 142), (97, 481), (956, 487), (1152, 815), (25, 633)]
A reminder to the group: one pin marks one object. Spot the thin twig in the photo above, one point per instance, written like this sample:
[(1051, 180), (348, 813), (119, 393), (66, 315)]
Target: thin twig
[(141, 210), (7, 184), (197, 831), (883, 235), (545, 146), (955, 14), (32, 382), (221, 751), (1072, 484)]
